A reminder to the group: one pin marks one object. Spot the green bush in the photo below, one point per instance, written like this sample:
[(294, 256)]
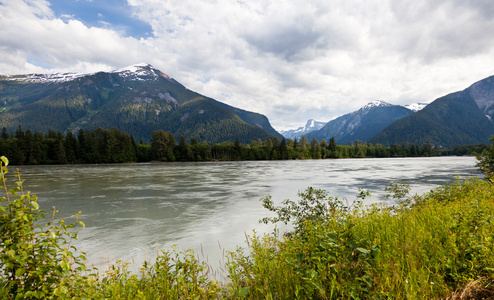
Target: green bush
[(485, 160), (429, 247), (174, 275), (36, 261)]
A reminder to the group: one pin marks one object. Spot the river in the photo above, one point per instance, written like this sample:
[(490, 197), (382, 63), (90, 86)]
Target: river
[(130, 210)]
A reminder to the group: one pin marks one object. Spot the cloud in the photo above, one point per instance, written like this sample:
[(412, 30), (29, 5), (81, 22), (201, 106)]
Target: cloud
[(435, 30), (30, 30), (289, 60)]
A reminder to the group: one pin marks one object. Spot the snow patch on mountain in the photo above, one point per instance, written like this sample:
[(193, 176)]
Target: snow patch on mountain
[(133, 68), (416, 106), (375, 103), (46, 78), (311, 125), (137, 72)]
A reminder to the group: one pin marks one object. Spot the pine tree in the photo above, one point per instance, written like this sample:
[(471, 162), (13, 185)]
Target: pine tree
[(332, 144)]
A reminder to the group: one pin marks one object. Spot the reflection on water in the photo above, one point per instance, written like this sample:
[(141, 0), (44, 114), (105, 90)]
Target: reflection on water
[(130, 209)]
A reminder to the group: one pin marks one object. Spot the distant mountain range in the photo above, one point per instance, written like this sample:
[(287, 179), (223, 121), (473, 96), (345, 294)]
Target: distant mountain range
[(362, 124), (138, 100), (311, 125), (460, 118)]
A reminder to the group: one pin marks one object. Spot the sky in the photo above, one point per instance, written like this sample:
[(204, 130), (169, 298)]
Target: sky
[(290, 60)]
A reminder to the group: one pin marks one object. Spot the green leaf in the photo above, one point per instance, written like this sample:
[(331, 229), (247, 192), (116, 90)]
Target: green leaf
[(19, 272), (65, 265), (82, 224), (61, 290), (14, 190), (362, 250), (35, 205), (243, 291), (5, 160)]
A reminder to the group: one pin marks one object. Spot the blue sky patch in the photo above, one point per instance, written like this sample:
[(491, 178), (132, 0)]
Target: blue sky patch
[(112, 14)]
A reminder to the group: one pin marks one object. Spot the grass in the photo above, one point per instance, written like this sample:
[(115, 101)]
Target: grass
[(439, 246), (436, 246)]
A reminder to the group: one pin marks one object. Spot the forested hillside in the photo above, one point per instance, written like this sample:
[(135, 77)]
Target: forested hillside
[(137, 100), (452, 120), (459, 118)]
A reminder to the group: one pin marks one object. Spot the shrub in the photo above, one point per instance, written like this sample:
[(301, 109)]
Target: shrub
[(434, 246), (485, 160), (36, 261)]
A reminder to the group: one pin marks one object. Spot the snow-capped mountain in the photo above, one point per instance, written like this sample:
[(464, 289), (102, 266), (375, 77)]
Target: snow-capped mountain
[(361, 124), (375, 103), (311, 125), (141, 72)]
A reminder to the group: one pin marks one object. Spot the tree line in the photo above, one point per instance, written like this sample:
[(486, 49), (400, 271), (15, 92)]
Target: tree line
[(115, 146)]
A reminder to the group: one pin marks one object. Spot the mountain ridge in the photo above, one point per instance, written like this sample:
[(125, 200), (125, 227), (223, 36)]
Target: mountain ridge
[(361, 124), (458, 118)]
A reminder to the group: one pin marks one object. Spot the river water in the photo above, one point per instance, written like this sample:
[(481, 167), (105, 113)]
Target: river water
[(130, 210)]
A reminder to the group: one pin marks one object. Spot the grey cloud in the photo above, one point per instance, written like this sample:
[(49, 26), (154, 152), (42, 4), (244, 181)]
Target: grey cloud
[(482, 8), (432, 30), (287, 40), (299, 36)]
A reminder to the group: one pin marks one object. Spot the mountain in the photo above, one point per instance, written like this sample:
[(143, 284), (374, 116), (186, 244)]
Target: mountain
[(138, 100), (362, 124), (459, 118), (311, 125)]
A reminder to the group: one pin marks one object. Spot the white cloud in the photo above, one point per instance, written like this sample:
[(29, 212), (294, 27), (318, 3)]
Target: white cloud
[(289, 60)]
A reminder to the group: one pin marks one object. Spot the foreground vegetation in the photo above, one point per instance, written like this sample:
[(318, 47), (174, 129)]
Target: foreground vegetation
[(434, 246), (115, 146)]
